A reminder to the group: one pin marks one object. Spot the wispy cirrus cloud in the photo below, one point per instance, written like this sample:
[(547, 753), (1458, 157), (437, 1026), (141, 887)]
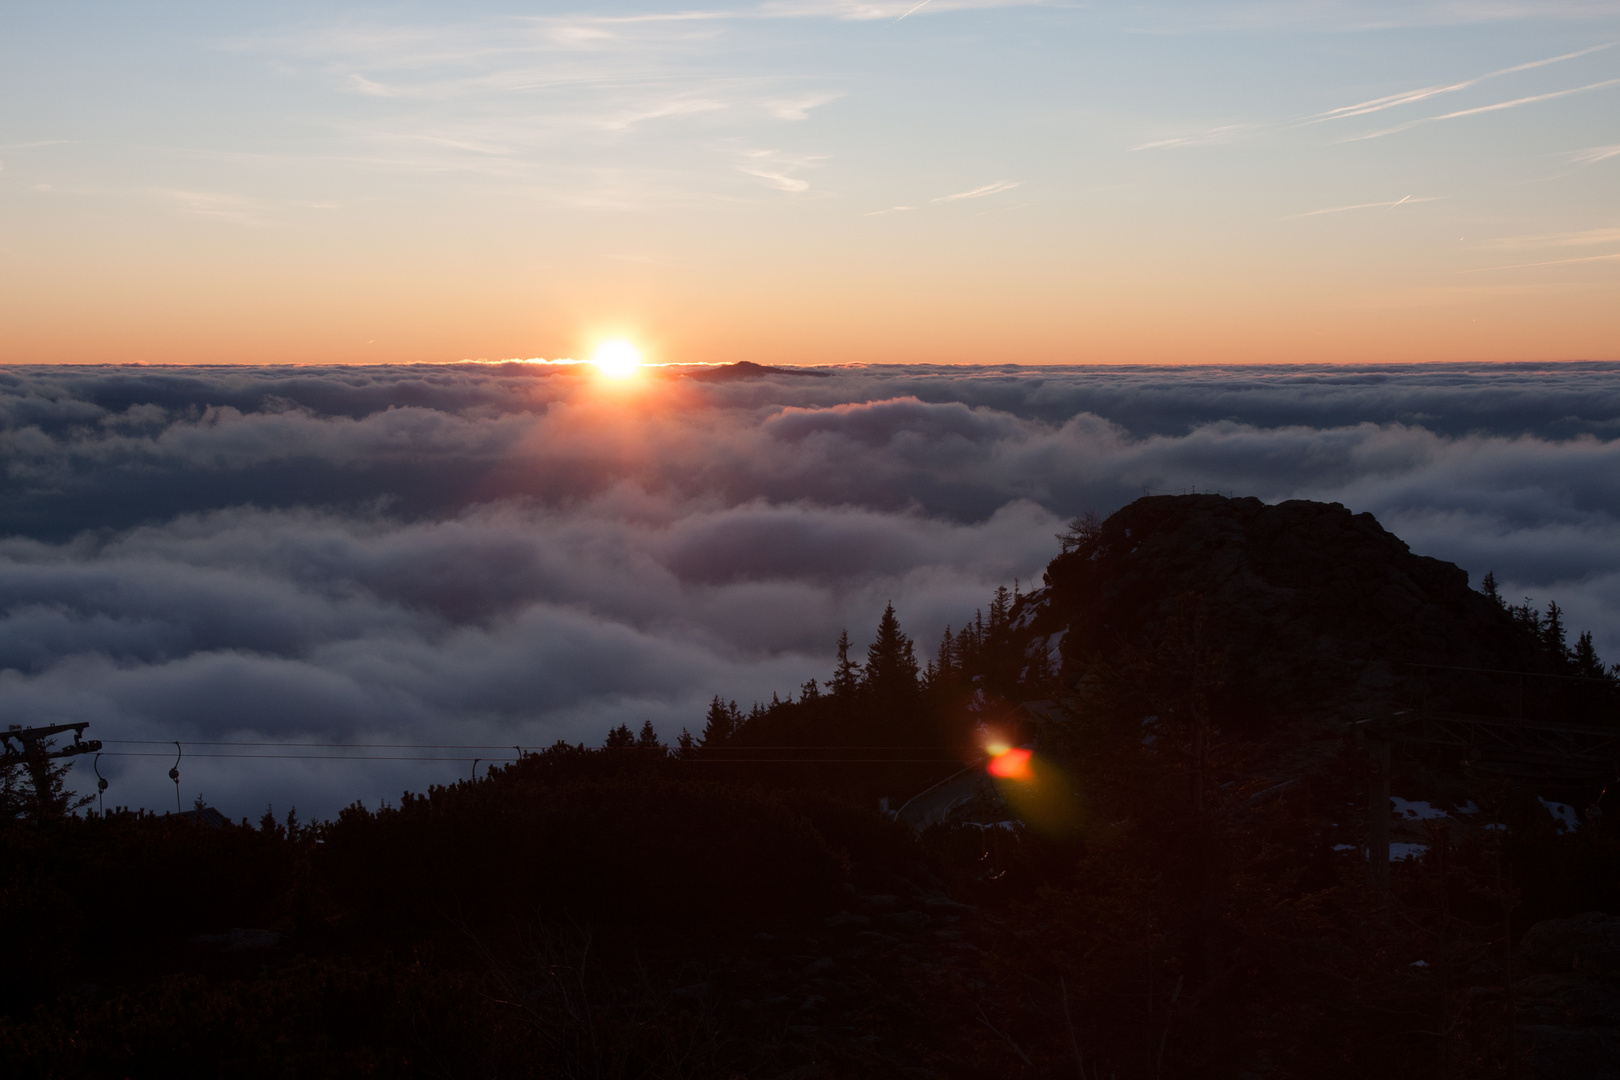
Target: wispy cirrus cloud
[(1548, 262), (776, 167), (1580, 238), (1214, 136), (1360, 16), (215, 205), (1389, 204), (980, 192), (799, 108), (869, 10), (500, 97), (1594, 154)]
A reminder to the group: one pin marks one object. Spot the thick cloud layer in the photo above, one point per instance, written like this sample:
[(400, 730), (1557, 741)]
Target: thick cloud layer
[(512, 554)]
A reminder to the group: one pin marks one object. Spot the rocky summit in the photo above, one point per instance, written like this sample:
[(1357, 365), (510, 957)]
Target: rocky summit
[(1308, 606)]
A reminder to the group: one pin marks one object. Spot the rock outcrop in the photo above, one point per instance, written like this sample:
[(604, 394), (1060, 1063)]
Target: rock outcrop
[(1314, 607)]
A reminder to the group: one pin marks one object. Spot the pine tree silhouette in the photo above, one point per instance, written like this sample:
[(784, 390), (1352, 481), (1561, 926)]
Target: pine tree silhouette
[(1585, 657), (891, 662), (1000, 605), (846, 676), (619, 738), (720, 724), (945, 671), (1553, 633), (1528, 617), (648, 738)]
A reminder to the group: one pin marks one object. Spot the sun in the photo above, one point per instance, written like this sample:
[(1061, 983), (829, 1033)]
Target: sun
[(617, 359)]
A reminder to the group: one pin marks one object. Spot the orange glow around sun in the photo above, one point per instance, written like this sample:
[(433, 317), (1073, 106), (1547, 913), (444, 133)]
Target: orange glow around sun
[(617, 359)]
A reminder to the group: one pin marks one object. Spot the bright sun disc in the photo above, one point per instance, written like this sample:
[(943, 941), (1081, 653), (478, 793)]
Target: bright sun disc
[(617, 359)]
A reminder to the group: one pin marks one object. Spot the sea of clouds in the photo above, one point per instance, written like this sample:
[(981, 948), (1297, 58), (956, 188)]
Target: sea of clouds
[(500, 555)]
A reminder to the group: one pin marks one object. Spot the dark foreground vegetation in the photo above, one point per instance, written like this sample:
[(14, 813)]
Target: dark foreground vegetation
[(734, 905)]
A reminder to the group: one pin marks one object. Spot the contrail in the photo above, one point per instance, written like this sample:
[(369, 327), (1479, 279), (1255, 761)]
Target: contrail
[(1514, 104), (1407, 97), (916, 9)]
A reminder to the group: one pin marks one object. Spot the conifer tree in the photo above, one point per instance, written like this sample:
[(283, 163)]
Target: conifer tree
[(1553, 633), (648, 738), (891, 661), (1528, 617), (945, 670), (809, 692), (721, 723), (619, 738), (11, 797), (846, 676), (1489, 587), (1586, 657), (1000, 606)]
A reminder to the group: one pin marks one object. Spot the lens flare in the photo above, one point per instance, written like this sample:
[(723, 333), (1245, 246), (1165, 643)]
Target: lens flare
[(617, 359), (1011, 764), (1035, 789)]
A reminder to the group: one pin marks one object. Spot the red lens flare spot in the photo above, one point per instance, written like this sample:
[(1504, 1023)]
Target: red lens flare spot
[(1011, 764)]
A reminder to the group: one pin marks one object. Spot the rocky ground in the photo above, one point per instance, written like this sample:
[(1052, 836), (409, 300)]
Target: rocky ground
[(1569, 1002)]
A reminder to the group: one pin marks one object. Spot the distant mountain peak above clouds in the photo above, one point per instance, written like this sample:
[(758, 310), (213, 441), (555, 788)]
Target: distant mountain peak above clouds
[(747, 369)]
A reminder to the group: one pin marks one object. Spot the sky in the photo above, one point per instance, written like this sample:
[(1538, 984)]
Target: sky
[(1034, 258), (810, 182), (512, 554)]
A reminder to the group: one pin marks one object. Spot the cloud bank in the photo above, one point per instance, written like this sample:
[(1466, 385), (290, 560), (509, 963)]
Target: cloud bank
[(515, 553)]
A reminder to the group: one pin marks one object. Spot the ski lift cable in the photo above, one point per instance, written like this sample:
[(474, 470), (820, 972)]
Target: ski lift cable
[(403, 757), (483, 746)]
